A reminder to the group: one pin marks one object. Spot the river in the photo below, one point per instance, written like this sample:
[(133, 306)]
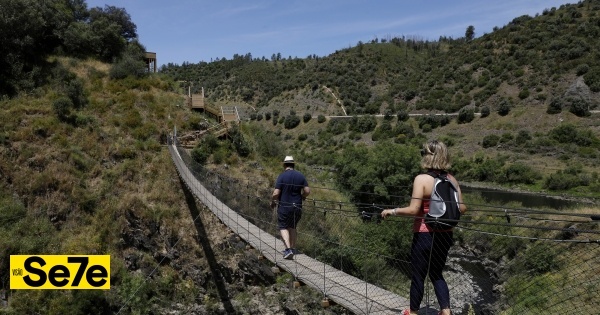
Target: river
[(527, 200)]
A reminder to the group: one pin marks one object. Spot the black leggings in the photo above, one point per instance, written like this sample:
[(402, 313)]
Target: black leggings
[(436, 244)]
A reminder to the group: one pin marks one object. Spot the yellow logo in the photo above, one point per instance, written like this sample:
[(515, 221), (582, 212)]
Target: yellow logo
[(60, 272)]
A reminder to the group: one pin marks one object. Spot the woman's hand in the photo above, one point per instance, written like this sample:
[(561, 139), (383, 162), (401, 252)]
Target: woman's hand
[(387, 212)]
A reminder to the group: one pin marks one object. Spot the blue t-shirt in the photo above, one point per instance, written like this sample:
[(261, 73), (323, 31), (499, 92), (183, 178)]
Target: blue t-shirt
[(290, 183)]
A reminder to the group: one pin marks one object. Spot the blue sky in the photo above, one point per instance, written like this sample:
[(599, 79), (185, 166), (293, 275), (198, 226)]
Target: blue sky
[(202, 30)]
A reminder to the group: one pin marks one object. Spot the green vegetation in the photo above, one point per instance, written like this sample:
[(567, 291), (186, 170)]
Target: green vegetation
[(37, 30), (83, 169)]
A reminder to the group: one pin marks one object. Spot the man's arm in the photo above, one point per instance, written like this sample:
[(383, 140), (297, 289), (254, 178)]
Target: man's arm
[(275, 197), (305, 192)]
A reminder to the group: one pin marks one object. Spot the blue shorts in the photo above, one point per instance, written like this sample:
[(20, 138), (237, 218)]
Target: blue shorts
[(288, 218)]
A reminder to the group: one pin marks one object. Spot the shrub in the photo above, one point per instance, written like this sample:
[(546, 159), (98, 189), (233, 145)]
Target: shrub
[(568, 133), (239, 142), (579, 107), (504, 108), (485, 111), (539, 259), (592, 79), (522, 137), (62, 108), (200, 155), (363, 124), (291, 121), (555, 106), (384, 131), (506, 137), (306, 118), (407, 130), (75, 92), (466, 115), (130, 64), (127, 66), (561, 181), (403, 115), (490, 141), (519, 174), (524, 93), (321, 119)]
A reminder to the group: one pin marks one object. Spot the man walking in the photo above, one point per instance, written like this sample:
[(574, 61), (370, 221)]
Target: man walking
[(291, 188)]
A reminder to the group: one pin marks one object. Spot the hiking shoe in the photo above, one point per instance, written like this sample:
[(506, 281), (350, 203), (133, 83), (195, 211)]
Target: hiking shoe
[(288, 254)]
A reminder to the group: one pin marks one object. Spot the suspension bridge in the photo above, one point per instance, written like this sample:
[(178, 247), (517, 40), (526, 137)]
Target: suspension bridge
[(369, 291), (344, 289)]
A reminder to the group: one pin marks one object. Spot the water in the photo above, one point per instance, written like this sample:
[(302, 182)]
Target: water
[(527, 200)]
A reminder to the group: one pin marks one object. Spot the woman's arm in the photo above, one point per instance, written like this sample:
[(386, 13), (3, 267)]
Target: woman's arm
[(415, 202)]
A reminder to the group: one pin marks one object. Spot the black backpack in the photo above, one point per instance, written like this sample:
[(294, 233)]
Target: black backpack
[(444, 210)]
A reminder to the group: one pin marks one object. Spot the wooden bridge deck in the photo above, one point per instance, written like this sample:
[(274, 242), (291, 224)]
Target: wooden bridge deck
[(352, 293)]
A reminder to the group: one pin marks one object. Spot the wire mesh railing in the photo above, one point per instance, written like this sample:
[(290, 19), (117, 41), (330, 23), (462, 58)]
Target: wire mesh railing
[(504, 260)]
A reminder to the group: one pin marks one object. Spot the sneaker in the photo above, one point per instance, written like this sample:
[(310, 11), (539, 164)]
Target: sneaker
[(295, 251), (288, 254)]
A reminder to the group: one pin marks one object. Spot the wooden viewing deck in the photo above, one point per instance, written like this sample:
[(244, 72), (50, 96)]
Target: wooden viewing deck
[(348, 291), (222, 114)]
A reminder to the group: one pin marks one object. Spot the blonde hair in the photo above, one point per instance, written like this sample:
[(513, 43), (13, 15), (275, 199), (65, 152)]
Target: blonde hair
[(435, 156)]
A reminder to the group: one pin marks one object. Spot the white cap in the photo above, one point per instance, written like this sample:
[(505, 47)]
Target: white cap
[(288, 159)]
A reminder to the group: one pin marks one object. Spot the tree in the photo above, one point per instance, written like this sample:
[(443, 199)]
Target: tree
[(465, 115), (131, 63), (485, 111), (291, 121), (555, 106), (504, 108), (306, 118), (470, 33), (490, 141), (118, 16), (28, 33), (579, 107), (377, 175)]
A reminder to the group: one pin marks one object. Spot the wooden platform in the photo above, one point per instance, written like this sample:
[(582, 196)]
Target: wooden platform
[(346, 290)]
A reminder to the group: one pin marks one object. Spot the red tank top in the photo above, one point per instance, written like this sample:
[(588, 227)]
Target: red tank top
[(419, 225)]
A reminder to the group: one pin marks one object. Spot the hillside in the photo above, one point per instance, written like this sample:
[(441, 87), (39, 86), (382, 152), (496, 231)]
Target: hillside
[(516, 93), (103, 183)]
